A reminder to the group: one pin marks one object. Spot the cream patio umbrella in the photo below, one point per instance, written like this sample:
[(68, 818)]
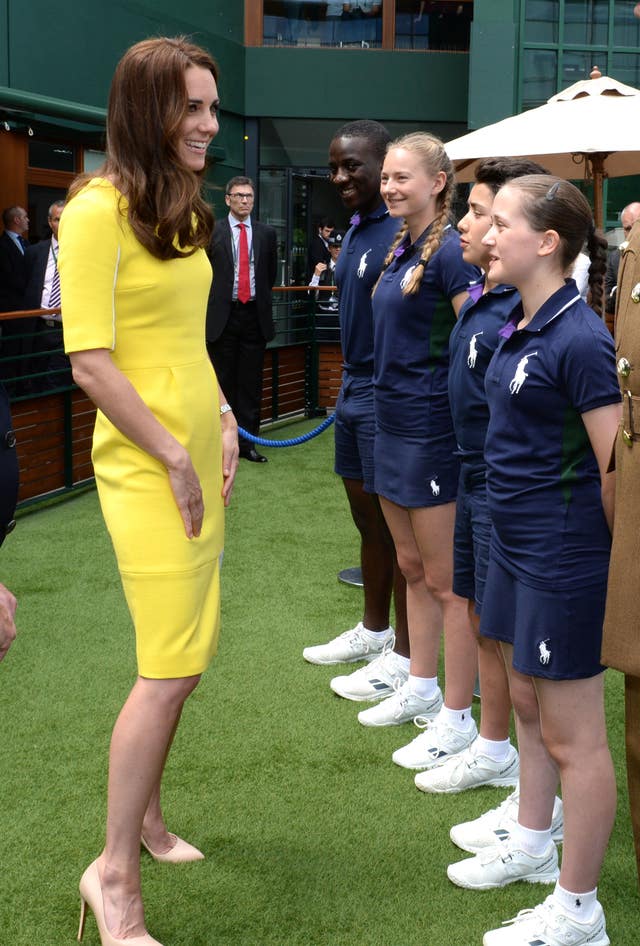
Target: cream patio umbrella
[(590, 130)]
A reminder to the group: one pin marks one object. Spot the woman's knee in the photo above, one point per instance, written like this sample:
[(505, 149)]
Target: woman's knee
[(172, 692)]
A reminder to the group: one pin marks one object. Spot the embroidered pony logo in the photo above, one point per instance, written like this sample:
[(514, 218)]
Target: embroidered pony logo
[(473, 351), (521, 375), (363, 264), (404, 282), (435, 486), (544, 652)]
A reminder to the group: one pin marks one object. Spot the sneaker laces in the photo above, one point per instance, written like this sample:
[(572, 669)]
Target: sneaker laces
[(355, 636), (377, 661), (400, 695), (542, 913)]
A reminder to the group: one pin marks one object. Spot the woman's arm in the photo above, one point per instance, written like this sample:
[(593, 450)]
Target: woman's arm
[(115, 396), (601, 425), (457, 301), (230, 449)]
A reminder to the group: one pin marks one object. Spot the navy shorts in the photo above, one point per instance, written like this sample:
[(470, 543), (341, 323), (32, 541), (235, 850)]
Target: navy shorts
[(556, 634), (355, 430), (472, 535), (416, 472)]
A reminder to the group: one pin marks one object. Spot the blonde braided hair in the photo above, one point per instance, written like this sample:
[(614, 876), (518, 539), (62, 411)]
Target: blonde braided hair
[(431, 151)]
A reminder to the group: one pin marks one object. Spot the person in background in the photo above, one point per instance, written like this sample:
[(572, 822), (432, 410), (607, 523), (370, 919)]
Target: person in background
[(17, 334), (319, 247), (628, 216), (244, 256), (43, 292)]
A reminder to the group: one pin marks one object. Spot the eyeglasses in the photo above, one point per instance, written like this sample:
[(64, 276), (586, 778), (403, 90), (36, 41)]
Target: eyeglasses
[(241, 196)]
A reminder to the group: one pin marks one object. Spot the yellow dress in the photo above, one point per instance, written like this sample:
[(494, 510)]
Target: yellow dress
[(150, 314)]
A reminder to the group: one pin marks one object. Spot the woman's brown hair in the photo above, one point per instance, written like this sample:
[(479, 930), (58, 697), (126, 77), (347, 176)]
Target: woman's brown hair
[(147, 105), (551, 203), (434, 158)]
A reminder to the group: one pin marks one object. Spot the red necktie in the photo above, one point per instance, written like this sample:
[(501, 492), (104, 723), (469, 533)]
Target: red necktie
[(244, 283)]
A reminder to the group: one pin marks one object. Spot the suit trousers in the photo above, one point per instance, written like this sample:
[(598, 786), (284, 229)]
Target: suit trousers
[(238, 359)]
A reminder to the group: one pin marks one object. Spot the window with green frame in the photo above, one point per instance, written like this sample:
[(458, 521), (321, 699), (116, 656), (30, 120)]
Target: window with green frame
[(561, 41)]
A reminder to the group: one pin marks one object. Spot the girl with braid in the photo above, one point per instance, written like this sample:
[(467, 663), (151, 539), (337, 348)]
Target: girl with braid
[(554, 405), (415, 303)]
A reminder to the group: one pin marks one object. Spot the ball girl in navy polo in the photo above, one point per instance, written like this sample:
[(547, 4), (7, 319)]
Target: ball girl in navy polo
[(554, 410), (416, 468)]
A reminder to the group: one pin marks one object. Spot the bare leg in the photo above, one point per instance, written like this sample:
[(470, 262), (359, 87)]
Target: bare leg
[(495, 706), (139, 746), (574, 732), (433, 530), (154, 827), (538, 771), (424, 614), (380, 572)]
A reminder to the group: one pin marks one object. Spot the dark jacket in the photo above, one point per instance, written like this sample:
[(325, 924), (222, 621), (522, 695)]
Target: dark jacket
[(13, 275), (265, 256), (36, 259)]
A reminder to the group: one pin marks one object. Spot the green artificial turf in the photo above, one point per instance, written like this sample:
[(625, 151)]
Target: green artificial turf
[(312, 835)]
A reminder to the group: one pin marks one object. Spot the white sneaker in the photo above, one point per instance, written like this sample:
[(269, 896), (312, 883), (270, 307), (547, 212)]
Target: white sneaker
[(400, 708), (497, 825), (469, 769), (503, 864), (438, 742), (356, 644), (375, 681), (547, 925)]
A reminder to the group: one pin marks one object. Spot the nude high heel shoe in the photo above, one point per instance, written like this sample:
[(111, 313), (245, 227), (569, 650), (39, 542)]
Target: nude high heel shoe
[(180, 853), (91, 894)]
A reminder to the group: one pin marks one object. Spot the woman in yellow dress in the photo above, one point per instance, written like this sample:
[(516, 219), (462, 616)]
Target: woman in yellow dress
[(135, 279)]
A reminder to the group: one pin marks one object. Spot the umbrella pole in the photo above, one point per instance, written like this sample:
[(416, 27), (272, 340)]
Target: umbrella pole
[(597, 169)]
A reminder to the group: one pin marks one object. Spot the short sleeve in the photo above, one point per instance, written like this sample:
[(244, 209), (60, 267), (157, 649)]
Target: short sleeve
[(588, 365), (455, 274), (90, 231)]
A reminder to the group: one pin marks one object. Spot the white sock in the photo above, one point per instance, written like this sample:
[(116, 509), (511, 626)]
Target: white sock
[(460, 720), (377, 635), (580, 906), (424, 687), (403, 662), (495, 749), (529, 840)]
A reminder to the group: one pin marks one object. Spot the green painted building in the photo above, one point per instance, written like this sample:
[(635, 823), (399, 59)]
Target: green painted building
[(291, 73)]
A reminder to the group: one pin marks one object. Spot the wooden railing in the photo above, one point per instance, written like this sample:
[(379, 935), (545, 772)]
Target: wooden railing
[(54, 428)]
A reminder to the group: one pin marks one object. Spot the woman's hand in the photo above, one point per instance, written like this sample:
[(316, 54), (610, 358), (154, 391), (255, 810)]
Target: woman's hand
[(187, 493), (230, 453)]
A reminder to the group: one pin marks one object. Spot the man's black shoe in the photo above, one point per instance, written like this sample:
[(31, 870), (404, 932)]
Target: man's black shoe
[(250, 453)]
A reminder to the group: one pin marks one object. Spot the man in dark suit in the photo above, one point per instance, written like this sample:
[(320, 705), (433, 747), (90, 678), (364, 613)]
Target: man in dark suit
[(319, 246), (43, 292), (13, 281), (244, 256)]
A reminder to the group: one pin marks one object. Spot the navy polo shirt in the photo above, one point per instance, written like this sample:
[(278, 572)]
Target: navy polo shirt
[(363, 251), (472, 343), (411, 335), (543, 483)]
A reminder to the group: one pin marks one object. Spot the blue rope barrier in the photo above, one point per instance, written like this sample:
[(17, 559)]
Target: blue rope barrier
[(293, 441)]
